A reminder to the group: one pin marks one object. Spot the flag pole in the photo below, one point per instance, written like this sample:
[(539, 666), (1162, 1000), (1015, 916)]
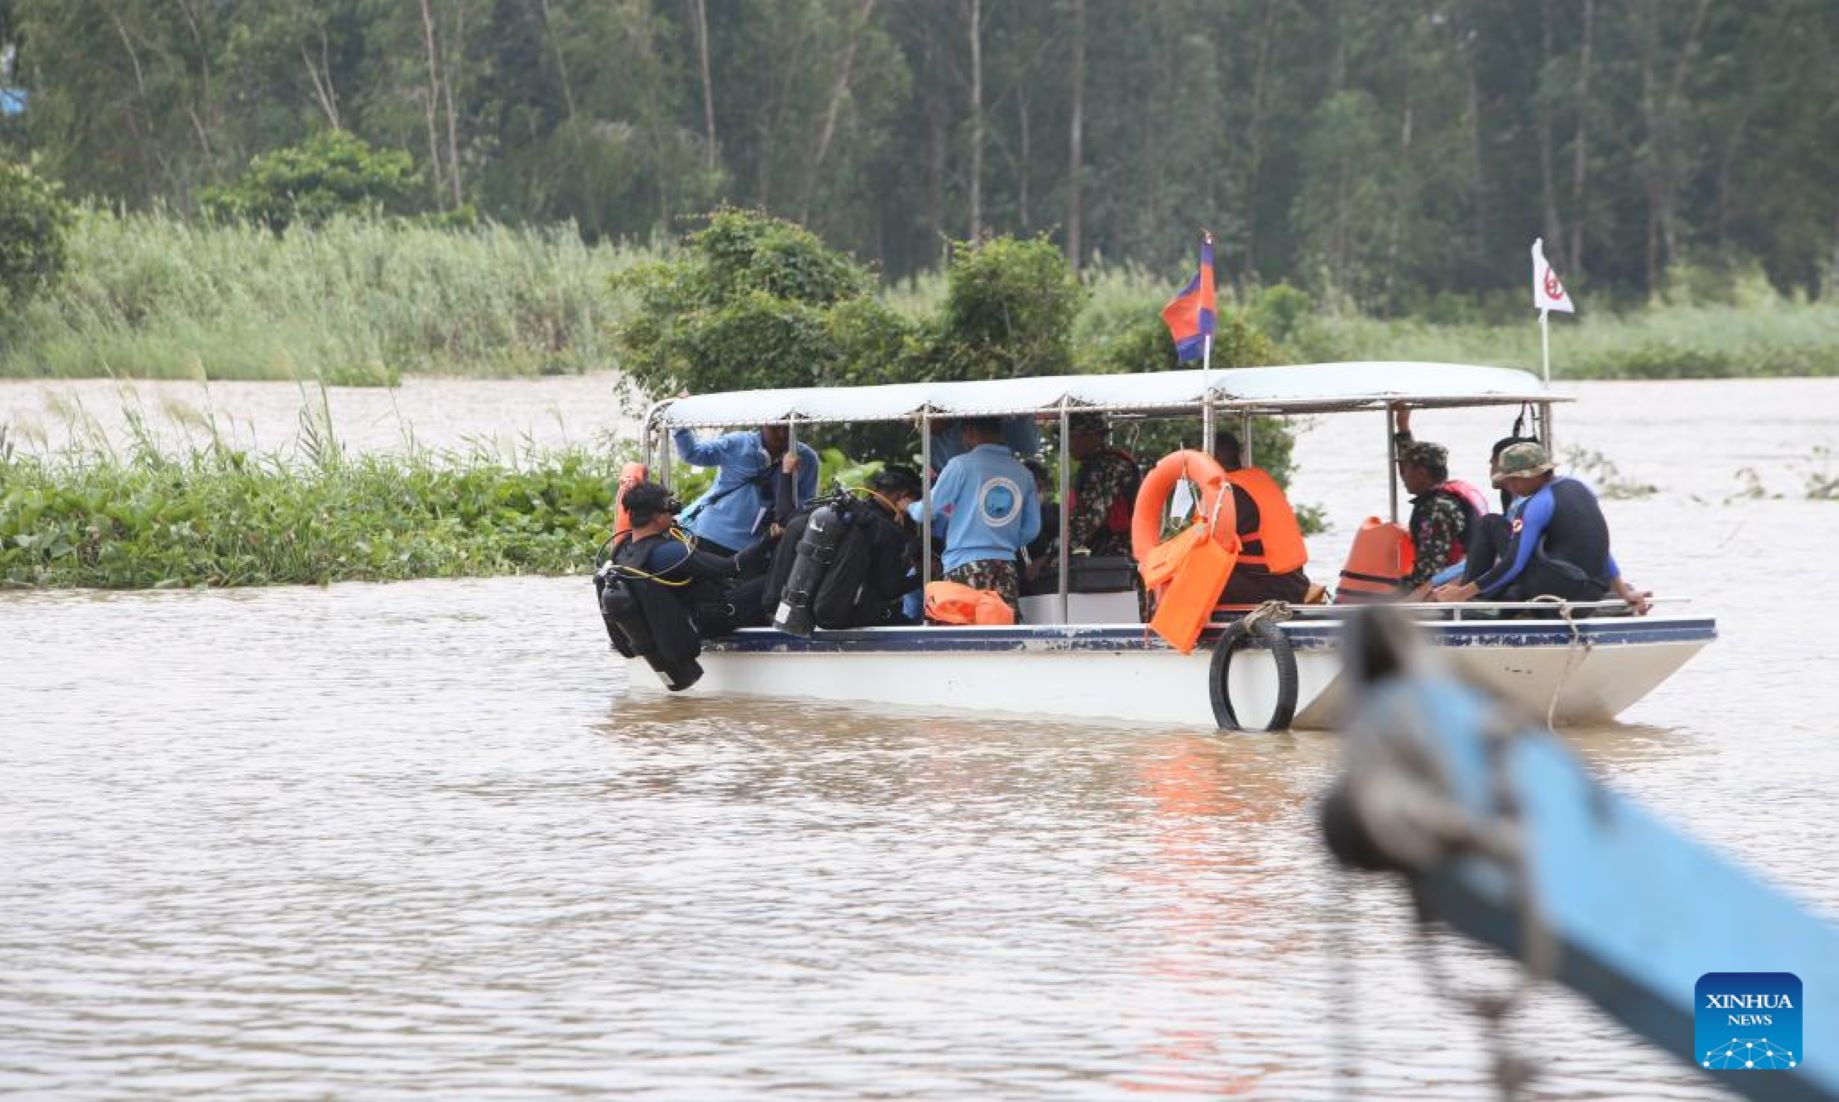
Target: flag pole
[(1545, 344), (1206, 391)]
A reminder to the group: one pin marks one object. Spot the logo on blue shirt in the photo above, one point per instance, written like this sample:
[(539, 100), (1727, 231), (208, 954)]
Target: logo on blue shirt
[(999, 501), (1747, 1021)]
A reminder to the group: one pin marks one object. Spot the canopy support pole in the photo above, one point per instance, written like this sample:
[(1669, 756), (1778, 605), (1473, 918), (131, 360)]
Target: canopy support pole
[(1545, 430), (1391, 464), (1245, 441), (1066, 516), (925, 427), (661, 439), (791, 448)]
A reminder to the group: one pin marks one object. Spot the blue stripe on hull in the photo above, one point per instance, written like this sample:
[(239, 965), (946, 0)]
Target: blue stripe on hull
[(1304, 635)]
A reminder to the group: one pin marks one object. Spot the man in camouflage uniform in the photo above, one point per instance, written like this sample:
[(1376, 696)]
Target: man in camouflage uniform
[(1439, 521), (1104, 491)]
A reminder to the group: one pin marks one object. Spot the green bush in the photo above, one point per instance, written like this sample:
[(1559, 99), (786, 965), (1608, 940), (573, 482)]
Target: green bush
[(754, 301), (1010, 305), (34, 219), (331, 173)]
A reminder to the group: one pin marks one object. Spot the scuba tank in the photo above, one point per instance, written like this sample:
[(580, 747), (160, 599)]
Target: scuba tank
[(619, 607), (816, 551)]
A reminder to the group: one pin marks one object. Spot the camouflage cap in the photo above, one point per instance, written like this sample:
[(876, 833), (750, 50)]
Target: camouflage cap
[(1423, 453), (1088, 422), (1521, 461)]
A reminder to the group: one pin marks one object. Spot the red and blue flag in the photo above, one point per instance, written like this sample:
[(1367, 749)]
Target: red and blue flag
[(1190, 314)]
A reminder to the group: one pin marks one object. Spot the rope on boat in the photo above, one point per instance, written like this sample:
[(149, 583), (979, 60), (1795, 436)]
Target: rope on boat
[(1574, 654)]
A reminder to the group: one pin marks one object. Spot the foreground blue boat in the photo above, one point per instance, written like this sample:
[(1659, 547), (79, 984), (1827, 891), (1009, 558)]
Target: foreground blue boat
[(1503, 834)]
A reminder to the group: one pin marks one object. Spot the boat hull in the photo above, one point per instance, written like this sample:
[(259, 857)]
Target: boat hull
[(1579, 674)]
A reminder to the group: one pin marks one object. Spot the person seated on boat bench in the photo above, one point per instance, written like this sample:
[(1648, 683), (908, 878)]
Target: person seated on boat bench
[(1104, 490), (1444, 511), (991, 512), (738, 506), (1263, 515), (1557, 545), (680, 576)]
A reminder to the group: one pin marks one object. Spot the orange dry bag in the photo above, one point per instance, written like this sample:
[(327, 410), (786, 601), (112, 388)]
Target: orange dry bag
[(629, 476), (1197, 579), (1377, 565), (957, 603)]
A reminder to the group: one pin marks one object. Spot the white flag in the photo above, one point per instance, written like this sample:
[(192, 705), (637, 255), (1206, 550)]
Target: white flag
[(1548, 293)]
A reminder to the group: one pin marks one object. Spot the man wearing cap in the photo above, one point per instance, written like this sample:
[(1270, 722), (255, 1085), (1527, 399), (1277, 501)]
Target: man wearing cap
[(1444, 511), (1104, 491), (1558, 541), (987, 500)]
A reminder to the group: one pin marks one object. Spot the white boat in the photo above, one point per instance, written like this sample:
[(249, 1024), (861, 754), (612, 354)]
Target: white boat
[(1090, 656)]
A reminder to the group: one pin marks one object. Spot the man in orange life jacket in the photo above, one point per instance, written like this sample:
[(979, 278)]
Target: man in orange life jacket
[(1444, 511), (1270, 566), (1104, 491)]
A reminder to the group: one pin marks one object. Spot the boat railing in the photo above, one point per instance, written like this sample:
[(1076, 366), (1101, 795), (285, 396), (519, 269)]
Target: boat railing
[(1472, 609)]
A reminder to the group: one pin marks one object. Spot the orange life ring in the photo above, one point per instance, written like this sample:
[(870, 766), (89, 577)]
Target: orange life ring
[(1216, 508)]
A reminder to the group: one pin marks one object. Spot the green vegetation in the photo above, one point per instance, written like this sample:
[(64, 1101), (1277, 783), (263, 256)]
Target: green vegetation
[(329, 174), (1377, 153), (221, 517), (354, 301), (33, 222)]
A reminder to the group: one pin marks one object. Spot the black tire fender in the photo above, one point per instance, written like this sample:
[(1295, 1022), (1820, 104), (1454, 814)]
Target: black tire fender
[(1239, 634)]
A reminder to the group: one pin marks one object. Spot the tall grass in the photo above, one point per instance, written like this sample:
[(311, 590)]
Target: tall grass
[(364, 302), (354, 302)]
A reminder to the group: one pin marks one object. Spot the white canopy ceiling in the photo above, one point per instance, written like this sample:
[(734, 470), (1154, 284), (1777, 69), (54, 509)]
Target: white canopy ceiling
[(1304, 388)]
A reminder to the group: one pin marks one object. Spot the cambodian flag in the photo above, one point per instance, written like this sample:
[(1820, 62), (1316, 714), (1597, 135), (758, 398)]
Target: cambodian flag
[(1190, 314)]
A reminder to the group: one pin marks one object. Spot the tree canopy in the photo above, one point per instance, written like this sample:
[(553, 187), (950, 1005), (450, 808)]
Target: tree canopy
[(1383, 154)]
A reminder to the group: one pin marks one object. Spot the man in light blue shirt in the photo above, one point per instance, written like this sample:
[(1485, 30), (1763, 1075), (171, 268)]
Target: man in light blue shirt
[(988, 502), (736, 509)]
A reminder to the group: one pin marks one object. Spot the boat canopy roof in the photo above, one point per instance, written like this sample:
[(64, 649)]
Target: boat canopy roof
[(1302, 388)]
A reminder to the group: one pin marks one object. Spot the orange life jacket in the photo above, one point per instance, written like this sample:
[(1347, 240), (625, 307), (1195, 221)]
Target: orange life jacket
[(957, 603), (1378, 563), (1277, 545)]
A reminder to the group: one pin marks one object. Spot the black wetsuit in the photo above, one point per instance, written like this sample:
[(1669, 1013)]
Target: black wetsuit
[(1556, 545)]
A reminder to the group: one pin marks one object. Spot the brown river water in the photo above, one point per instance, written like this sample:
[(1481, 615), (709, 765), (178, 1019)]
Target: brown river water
[(380, 841)]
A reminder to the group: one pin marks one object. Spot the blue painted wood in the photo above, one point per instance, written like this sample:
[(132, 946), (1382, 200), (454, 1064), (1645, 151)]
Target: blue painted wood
[(1303, 634), (1640, 909)]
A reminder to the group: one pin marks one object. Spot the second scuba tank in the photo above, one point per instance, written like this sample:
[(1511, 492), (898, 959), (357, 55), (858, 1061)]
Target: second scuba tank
[(816, 551)]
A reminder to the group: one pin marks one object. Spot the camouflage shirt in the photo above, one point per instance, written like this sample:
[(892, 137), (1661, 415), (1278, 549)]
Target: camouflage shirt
[(1436, 526), (1104, 478)]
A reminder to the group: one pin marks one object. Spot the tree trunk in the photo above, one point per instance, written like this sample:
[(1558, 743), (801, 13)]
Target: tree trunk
[(434, 104), (453, 122), (1832, 274), (555, 47), (1021, 175), (1254, 166), (321, 76), (1548, 192), (1574, 256), (837, 92), (976, 188), (1075, 160), (699, 17)]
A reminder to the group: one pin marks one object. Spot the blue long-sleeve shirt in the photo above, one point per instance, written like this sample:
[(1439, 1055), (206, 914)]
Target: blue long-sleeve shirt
[(733, 508), (989, 505)]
